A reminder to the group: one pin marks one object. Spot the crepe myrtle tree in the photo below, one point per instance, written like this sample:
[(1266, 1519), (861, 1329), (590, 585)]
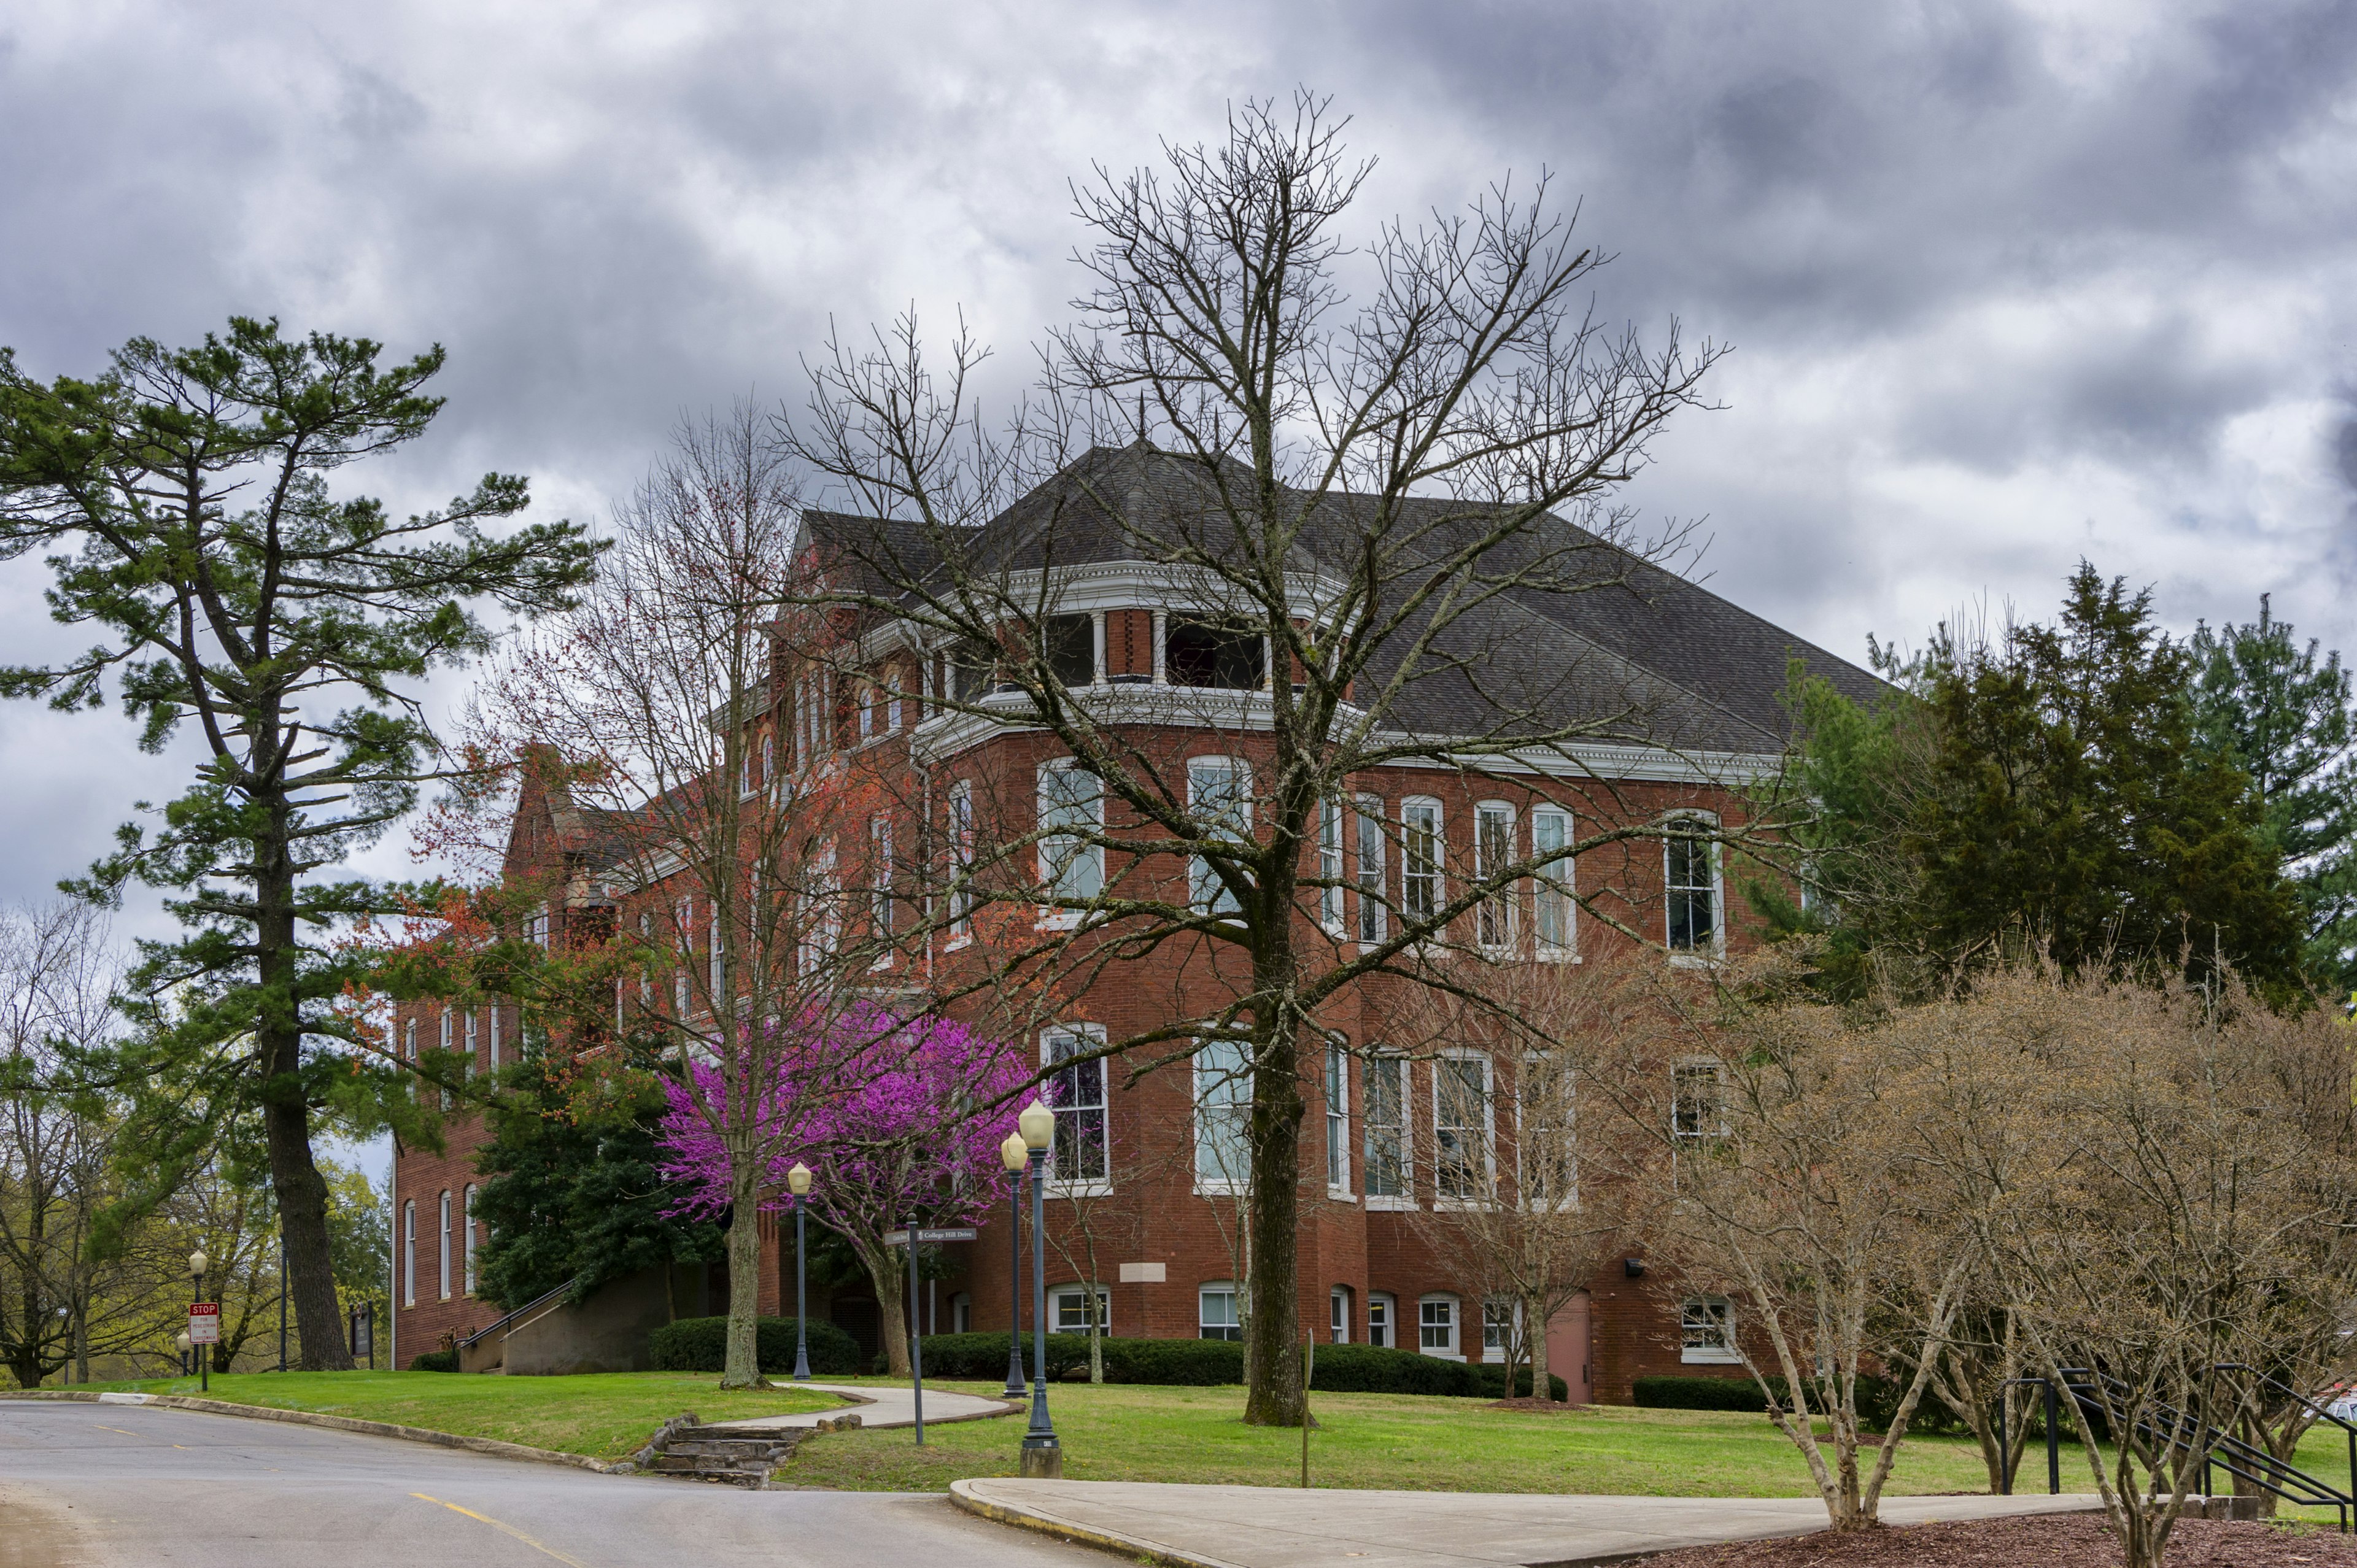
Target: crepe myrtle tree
[(182, 497), (1366, 498)]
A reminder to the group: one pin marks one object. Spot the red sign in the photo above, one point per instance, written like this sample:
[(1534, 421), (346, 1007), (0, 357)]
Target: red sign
[(204, 1323)]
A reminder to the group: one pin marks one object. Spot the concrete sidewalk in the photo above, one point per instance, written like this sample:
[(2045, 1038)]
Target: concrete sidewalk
[(1272, 1527), (879, 1406)]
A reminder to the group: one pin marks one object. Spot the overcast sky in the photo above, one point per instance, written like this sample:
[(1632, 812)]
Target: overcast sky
[(2007, 285)]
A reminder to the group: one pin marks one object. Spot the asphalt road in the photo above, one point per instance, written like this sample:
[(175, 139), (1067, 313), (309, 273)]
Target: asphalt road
[(107, 1485)]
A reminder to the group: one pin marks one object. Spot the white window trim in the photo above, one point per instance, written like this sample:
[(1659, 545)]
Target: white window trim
[(1699, 1356), (1455, 1351), (1515, 1321), (1401, 1202), (467, 1217), (1051, 919), (1390, 1304), (962, 848), (1717, 1070), (1565, 1202), (409, 1252), (1344, 1297), (885, 869), (1094, 1187), (1567, 951), (1240, 784), (1503, 903), (444, 1275), (1333, 858), (1337, 1113), (1489, 1176), (1439, 855), (1209, 1187), (1056, 1294), (1234, 1294), (1691, 958), (1373, 918)]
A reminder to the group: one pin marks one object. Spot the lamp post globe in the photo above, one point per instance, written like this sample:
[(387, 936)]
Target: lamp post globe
[(1043, 1455), (197, 1261), (798, 1182), (1014, 1155), (181, 1344)]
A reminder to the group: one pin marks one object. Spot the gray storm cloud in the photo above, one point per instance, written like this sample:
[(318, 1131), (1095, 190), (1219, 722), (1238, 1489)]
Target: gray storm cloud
[(2007, 284)]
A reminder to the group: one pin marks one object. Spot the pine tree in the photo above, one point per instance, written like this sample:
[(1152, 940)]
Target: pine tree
[(2264, 702), (183, 495)]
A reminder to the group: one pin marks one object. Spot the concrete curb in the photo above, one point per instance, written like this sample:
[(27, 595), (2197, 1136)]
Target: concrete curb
[(491, 1446), (961, 1495)]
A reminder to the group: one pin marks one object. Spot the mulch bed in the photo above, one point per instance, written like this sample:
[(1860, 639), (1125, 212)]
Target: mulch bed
[(2038, 1540)]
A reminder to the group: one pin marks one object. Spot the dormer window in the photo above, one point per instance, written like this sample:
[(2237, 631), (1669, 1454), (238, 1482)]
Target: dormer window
[(1208, 651)]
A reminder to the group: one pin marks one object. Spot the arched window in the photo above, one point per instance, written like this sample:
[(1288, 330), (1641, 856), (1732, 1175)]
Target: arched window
[(445, 1245), (468, 1216), (409, 1253)]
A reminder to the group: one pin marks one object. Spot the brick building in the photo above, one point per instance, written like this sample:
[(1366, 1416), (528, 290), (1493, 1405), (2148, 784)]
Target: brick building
[(1146, 1201)]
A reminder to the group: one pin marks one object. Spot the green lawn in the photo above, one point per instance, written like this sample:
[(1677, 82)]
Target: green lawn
[(1120, 1432), (608, 1416)]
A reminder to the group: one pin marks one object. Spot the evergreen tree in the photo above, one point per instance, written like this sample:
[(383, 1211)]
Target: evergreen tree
[(2046, 789), (183, 496), (2264, 702), (572, 1191)]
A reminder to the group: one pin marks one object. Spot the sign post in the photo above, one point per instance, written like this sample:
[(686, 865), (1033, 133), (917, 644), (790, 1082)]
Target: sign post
[(902, 1237), (204, 1330)]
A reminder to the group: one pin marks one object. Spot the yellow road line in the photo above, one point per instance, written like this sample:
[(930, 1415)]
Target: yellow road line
[(105, 1428), (506, 1529)]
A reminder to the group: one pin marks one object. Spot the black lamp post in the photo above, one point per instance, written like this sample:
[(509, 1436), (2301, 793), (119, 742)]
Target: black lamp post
[(1014, 1154), (197, 1261), (1043, 1457), (798, 1183)]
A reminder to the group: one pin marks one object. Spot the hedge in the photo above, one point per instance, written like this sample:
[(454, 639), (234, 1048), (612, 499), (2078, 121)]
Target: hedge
[(435, 1362), (701, 1345), (1206, 1363), (1878, 1399)]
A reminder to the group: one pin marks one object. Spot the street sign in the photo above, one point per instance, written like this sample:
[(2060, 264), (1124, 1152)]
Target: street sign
[(204, 1323), (932, 1233)]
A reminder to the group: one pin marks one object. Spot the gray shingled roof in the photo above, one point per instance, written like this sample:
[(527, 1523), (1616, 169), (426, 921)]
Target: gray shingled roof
[(1641, 653)]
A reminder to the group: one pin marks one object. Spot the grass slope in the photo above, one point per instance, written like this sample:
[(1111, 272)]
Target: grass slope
[(608, 1416)]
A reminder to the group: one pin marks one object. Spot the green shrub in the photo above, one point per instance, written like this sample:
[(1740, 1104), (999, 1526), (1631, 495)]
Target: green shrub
[(982, 1357), (701, 1345), (1175, 1363), (436, 1361), (1878, 1399), (1494, 1384)]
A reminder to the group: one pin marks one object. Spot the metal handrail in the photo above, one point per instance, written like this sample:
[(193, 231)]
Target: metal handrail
[(2271, 1380), (536, 1302), (2239, 1459)]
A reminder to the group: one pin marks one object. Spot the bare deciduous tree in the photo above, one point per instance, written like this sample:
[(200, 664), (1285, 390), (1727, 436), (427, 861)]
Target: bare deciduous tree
[(1360, 510)]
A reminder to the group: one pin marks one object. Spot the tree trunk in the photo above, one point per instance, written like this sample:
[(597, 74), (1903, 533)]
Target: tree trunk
[(1274, 1395), (1534, 1330), (742, 1369), (891, 1323), (294, 1179)]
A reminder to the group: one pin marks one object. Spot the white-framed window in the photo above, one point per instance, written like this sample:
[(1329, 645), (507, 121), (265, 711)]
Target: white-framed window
[(1330, 866), (1071, 815), (768, 757), (869, 712), (1338, 1315), (1706, 1331), (1217, 1313), (961, 860), (1552, 903), (1368, 866), (1381, 1312), (445, 1276), (1435, 1326), (536, 928), (879, 861), (1691, 887), (823, 913), (409, 1038), (495, 1037), (1698, 1097), (1384, 1097), (1224, 1092), (1463, 1128), (446, 1028), (409, 1253), (892, 707), (1338, 1119), (471, 1037), (1219, 793), (1499, 1320), (1546, 1154), (1420, 857), (646, 976), (715, 982), (467, 1217), (1081, 1155), (1067, 1310), (1493, 850), (745, 787)]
